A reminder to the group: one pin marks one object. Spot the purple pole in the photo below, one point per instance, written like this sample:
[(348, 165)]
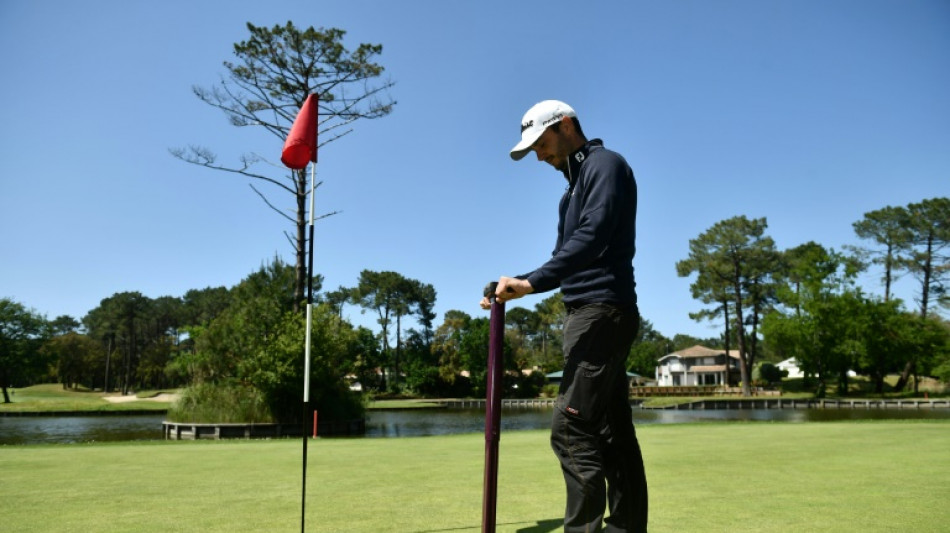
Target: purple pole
[(493, 409)]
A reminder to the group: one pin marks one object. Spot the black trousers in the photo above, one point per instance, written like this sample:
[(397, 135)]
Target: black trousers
[(592, 432)]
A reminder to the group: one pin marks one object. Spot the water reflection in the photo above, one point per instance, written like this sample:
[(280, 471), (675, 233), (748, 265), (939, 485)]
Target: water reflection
[(415, 423), (68, 429), (449, 421)]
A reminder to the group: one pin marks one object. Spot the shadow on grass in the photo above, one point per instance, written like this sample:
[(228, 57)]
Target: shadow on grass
[(542, 526)]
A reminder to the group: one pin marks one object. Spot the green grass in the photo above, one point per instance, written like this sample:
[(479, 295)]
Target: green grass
[(52, 397), (728, 477), (863, 387), (402, 404)]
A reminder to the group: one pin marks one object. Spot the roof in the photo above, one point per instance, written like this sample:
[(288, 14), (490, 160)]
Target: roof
[(695, 352)]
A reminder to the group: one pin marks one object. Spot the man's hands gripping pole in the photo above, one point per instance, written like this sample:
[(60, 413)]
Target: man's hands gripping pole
[(505, 289)]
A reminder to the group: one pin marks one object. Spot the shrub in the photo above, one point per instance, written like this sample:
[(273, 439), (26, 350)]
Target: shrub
[(769, 373), (529, 386), (220, 403)]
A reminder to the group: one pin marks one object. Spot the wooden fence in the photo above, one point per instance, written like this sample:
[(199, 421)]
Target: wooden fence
[(195, 431), (699, 390), (782, 403)]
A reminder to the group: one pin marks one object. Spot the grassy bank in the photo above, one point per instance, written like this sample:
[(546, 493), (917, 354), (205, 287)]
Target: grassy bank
[(402, 404), (879, 476), (53, 398)]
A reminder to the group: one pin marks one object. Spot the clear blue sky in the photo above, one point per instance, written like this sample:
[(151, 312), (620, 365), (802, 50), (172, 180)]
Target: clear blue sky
[(809, 113)]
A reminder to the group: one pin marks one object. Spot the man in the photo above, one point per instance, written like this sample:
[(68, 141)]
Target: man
[(592, 431)]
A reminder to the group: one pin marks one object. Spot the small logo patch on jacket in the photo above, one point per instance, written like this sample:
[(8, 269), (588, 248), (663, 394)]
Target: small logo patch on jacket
[(572, 410)]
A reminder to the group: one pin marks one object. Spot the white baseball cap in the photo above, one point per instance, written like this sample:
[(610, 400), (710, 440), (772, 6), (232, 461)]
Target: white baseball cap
[(536, 120)]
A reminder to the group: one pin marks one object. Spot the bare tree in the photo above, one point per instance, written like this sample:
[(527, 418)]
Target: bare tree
[(275, 71)]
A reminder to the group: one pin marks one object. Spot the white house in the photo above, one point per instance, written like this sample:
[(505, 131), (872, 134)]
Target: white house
[(698, 366), (794, 371), (791, 365)]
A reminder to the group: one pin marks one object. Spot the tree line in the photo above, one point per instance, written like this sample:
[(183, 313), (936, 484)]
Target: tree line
[(803, 302), (243, 345), (248, 339)]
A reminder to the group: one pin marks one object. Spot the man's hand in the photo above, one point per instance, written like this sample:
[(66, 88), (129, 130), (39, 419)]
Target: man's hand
[(508, 289)]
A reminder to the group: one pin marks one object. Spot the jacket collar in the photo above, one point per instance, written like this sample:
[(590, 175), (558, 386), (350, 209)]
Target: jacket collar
[(577, 158)]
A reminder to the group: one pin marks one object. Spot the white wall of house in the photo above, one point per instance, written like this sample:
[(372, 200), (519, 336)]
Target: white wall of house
[(672, 372), (794, 371), (676, 372), (792, 366)]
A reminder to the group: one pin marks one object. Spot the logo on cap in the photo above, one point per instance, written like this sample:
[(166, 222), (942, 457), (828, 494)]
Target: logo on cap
[(527, 125), (554, 118)]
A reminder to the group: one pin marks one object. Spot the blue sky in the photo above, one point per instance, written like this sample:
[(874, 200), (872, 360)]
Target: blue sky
[(808, 113)]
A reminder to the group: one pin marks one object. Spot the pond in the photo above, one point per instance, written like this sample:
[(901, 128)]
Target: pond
[(426, 422), (447, 421), (66, 429)]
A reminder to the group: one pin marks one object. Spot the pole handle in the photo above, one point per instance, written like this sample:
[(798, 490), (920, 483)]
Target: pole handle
[(490, 291)]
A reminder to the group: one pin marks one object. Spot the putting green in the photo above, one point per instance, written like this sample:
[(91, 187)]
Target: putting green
[(874, 476)]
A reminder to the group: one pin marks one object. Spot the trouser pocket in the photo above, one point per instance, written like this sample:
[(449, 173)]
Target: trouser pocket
[(595, 346), (585, 396)]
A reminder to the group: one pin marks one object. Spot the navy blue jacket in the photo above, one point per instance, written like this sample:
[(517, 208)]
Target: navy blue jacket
[(593, 259)]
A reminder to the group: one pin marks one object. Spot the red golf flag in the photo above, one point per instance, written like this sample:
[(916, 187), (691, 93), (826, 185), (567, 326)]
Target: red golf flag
[(300, 147)]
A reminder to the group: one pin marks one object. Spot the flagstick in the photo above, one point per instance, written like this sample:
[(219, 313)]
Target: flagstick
[(306, 364)]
